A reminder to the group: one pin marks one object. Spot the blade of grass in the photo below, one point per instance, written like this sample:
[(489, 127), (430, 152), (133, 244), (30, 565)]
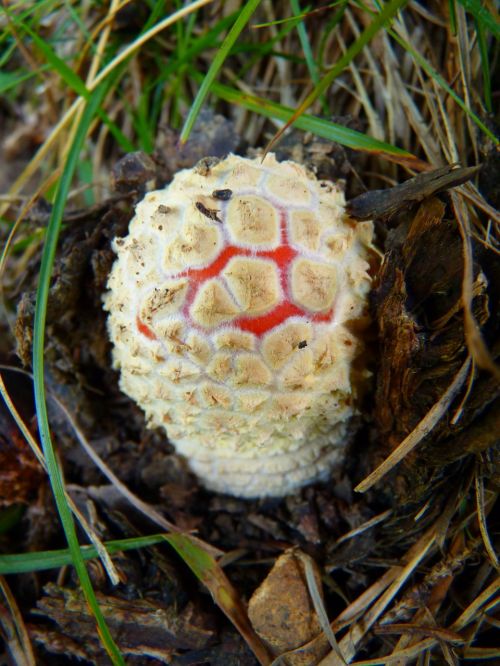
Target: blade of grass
[(54, 559), (71, 78), (120, 58), (318, 603), (33, 444), (221, 55), (482, 15), (453, 16), (19, 638), (10, 80), (318, 126), (308, 53), (257, 52), (380, 20), (485, 65), (434, 74), (328, 28), (54, 471), (206, 569), (156, 88), (421, 430)]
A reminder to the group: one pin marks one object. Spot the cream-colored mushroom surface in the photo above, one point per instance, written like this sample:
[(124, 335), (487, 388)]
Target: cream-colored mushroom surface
[(232, 305)]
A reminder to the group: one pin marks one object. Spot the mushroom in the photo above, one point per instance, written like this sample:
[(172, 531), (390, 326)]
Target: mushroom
[(235, 305)]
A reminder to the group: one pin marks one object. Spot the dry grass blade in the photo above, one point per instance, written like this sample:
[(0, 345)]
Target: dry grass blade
[(98, 55), (423, 428), (375, 124), (481, 517), (418, 629), (224, 594), (360, 605), (14, 630), (412, 111), (479, 605), (383, 17), (480, 654), (318, 604), (136, 502), (470, 193), (348, 645), (433, 588), (75, 108), (475, 342), (17, 224), (367, 525), (402, 656), (464, 52), (87, 528), (19, 421), (141, 506), (440, 85)]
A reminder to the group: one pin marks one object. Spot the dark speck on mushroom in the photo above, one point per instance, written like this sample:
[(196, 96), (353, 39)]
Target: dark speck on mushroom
[(222, 195)]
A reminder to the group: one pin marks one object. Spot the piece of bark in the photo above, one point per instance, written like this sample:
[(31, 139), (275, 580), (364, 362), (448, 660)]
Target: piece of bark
[(140, 626), (418, 303), (383, 204)]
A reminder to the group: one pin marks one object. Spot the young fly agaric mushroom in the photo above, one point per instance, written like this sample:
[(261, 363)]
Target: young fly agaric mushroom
[(233, 306)]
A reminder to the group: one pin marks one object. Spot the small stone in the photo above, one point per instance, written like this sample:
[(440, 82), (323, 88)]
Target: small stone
[(282, 612)]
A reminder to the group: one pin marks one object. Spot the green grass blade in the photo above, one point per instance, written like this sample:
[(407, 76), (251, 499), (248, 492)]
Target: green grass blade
[(198, 45), (329, 26), (308, 53), (482, 15), (54, 559), (453, 17), (432, 73), (65, 72), (54, 471), (206, 569), (222, 53), (43, 8), (256, 52), (485, 65), (299, 17), (75, 82), (381, 19), (10, 80), (318, 126)]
